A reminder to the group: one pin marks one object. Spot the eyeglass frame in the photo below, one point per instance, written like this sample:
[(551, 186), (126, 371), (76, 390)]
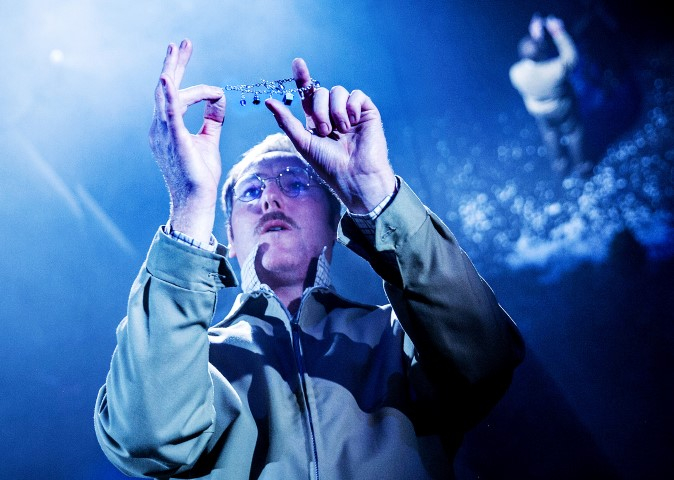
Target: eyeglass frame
[(335, 205), (311, 175)]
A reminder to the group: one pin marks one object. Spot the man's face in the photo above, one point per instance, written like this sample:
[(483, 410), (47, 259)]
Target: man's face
[(290, 232)]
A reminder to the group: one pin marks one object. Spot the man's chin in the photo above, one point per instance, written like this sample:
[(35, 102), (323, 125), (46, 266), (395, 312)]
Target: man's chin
[(275, 257)]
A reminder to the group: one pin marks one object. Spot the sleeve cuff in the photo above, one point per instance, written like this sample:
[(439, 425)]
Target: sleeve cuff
[(188, 267), (211, 246), (366, 221)]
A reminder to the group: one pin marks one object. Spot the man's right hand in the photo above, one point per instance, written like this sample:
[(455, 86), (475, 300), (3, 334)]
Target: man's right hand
[(190, 163), (342, 139)]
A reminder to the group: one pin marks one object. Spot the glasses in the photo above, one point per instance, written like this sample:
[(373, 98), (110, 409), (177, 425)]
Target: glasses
[(292, 181)]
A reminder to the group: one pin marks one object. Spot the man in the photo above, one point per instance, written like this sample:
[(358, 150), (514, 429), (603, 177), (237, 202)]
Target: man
[(297, 381), (542, 78)]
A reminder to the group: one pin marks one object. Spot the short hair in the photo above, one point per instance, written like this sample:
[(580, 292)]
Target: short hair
[(276, 142)]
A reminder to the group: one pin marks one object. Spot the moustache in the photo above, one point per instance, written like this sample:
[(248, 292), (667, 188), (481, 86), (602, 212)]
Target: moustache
[(274, 216)]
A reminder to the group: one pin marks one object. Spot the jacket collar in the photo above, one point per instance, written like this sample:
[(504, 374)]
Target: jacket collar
[(251, 283)]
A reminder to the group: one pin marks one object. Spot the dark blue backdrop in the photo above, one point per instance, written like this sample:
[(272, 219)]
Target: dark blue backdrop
[(584, 266)]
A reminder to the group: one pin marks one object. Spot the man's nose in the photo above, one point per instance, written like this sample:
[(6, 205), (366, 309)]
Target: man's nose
[(272, 197)]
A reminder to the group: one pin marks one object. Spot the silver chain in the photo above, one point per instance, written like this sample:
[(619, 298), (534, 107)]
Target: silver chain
[(271, 87)]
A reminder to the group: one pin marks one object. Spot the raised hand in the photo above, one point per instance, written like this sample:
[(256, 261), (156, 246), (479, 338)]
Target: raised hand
[(190, 163), (343, 139)]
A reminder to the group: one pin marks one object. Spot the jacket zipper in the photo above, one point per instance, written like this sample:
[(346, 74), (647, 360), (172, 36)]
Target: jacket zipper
[(297, 347)]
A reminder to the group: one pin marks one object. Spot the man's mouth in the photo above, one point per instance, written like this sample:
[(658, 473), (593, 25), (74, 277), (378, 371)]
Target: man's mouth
[(274, 222), (274, 226)]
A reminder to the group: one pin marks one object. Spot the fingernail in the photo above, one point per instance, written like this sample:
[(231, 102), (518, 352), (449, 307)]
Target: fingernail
[(170, 48), (325, 128), (352, 119), (343, 127), (183, 44)]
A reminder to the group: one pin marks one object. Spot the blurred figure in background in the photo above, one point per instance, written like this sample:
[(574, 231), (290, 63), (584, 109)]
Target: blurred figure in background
[(542, 77)]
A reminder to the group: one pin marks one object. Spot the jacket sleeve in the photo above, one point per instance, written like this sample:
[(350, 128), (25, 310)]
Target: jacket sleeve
[(155, 414), (465, 342)]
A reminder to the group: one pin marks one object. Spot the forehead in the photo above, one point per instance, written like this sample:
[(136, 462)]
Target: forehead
[(271, 163)]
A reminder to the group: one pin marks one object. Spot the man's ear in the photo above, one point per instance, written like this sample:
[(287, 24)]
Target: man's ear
[(231, 253)]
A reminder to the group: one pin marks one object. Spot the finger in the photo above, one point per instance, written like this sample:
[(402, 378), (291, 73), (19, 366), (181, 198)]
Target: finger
[(358, 104), (159, 96), (320, 115), (301, 72), (292, 127), (170, 60), (302, 80), (338, 114), (173, 106), (183, 57)]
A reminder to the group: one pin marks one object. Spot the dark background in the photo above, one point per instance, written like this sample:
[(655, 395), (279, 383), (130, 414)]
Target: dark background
[(584, 266)]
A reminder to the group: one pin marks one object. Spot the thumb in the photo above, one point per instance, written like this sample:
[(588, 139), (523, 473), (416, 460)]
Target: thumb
[(292, 127), (214, 116)]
